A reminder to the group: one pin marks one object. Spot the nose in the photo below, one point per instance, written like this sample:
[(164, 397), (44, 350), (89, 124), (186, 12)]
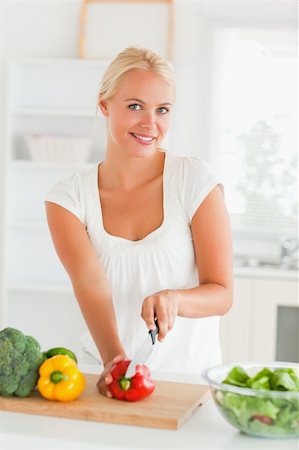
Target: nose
[(148, 120)]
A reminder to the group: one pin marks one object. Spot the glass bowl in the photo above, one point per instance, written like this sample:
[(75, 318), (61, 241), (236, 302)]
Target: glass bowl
[(258, 412)]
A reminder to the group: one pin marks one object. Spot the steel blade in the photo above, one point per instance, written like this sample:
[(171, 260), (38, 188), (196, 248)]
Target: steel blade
[(140, 356)]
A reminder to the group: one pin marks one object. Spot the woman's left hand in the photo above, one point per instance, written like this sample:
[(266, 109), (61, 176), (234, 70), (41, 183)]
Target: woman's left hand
[(162, 305)]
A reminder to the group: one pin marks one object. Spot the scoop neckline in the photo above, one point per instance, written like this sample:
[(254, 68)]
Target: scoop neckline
[(151, 234)]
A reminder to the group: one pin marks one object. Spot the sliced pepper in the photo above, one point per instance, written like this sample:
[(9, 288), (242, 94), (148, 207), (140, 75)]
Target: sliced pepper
[(60, 379), (132, 389)]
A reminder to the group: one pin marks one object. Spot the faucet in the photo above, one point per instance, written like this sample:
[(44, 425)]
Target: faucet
[(288, 247)]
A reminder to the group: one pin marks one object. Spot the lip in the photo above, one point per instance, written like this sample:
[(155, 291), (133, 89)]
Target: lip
[(135, 136)]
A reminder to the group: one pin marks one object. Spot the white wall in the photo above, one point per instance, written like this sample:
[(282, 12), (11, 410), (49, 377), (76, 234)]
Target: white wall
[(192, 64), (31, 29), (40, 28), (49, 28), (2, 277)]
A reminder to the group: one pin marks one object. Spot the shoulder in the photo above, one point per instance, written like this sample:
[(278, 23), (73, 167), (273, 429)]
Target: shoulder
[(72, 191), (85, 175), (76, 180), (194, 178), (190, 166)]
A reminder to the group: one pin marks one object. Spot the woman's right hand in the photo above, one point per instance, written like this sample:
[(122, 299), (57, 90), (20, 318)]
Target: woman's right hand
[(106, 377)]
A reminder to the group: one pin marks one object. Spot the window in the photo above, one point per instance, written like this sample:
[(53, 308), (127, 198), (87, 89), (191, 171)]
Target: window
[(253, 127)]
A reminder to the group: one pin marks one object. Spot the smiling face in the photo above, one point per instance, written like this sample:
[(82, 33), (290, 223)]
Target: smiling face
[(139, 113)]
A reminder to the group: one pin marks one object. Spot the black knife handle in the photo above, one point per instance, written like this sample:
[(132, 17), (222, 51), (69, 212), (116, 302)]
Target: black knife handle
[(153, 333)]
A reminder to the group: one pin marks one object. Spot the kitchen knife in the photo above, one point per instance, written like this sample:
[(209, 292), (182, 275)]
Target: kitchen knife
[(143, 352)]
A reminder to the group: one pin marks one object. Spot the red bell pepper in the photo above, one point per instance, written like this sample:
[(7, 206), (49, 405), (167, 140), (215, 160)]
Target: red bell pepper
[(131, 389)]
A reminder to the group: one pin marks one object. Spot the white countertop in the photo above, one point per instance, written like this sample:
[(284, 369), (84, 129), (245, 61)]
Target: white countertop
[(206, 429), (266, 273)]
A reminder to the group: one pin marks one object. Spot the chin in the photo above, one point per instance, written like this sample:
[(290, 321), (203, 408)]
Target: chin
[(144, 153)]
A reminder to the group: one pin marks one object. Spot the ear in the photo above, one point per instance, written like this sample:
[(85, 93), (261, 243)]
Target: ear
[(104, 107)]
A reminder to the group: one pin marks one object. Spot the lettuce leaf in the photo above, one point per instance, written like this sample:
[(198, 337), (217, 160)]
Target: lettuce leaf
[(237, 377), (262, 415), (283, 380), (277, 380)]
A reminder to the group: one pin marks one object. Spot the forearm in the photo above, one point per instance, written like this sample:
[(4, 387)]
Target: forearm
[(209, 299), (96, 304)]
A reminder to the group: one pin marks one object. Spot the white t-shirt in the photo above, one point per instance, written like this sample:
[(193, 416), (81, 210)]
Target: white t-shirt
[(164, 259)]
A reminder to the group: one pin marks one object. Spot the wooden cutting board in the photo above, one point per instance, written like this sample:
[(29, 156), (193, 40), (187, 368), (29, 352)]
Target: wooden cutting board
[(170, 405)]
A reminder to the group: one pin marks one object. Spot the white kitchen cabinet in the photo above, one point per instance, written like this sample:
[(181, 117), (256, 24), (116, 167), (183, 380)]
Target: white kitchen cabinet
[(249, 331), (268, 296), (236, 325), (51, 97)]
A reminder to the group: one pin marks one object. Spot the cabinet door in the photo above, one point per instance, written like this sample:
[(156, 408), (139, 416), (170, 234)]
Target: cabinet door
[(236, 325), (268, 296)]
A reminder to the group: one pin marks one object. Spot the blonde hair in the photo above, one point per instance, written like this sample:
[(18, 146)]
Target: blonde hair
[(133, 58)]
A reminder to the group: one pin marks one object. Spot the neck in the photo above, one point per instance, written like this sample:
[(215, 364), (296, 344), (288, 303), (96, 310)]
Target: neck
[(121, 171)]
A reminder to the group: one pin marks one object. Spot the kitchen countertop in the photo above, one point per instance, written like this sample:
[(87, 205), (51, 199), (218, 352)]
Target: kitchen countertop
[(206, 429), (265, 272)]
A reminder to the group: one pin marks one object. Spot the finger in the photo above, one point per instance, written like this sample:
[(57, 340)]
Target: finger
[(118, 358), (171, 326), (148, 313), (103, 388), (162, 318), (162, 333), (111, 364), (105, 391), (115, 360), (108, 378), (172, 311), (171, 321), (108, 394)]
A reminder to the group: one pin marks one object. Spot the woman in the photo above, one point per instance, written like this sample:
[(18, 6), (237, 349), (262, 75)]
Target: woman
[(145, 234)]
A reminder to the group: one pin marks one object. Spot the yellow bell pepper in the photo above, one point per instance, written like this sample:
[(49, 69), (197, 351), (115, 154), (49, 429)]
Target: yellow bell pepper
[(60, 379)]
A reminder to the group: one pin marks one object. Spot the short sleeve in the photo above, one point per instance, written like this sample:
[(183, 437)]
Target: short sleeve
[(196, 180), (68, 194)]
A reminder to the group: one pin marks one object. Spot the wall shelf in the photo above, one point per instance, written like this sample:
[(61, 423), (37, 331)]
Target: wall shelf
[(30, 164), (42, 288), (57, 97), (27, 111), (30, 226)]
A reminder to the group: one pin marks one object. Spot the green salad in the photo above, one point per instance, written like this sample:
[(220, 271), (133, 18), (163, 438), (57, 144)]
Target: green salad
[(262, 414)]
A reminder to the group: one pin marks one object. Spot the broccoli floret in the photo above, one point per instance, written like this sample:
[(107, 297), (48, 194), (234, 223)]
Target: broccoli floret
[(20, 358)]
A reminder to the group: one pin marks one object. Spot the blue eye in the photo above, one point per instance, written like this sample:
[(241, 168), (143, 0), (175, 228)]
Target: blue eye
[(163, 110), (135, 107)]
